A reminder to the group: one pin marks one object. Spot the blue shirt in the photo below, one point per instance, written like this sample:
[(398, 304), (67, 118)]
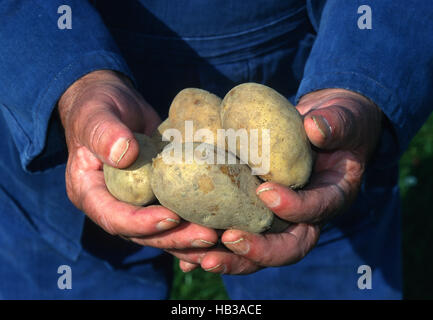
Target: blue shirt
[(293, 46)]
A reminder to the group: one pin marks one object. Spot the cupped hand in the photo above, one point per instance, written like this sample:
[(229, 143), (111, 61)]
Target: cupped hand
[(344, 127), (99, 112)]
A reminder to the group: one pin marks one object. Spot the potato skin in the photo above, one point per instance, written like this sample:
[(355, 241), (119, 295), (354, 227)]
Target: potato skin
[(132, 185), (220, 196), (199, 106), (256, 106)]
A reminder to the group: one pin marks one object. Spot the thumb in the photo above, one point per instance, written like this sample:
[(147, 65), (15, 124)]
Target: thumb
[(107, 137), (333, 127)]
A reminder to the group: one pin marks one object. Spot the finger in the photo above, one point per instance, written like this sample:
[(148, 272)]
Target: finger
[(186, 236), (145, 119), (119, 218), (87, 190), (333, 127), (332, 187), (313, 205), (193, 256), (276, 249), (187, 267), (222, 261), (101, 130)]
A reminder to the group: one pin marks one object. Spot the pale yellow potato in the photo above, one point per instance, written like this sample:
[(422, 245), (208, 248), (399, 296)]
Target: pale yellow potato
[(199, 106), (220, 196), (132, 185), (255, 106)]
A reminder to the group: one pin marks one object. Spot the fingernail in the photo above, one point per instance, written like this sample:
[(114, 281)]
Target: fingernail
[(323, 125), (119, 149), (270, 197), (189, 267), (239, 246), (199, 243), (219, 268), (167, 224)]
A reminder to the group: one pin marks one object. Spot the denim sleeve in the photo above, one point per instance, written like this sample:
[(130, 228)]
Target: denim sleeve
[(391, 63), (39, 61)]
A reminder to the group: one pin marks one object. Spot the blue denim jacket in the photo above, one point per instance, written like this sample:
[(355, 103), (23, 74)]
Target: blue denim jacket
[(293, 46)]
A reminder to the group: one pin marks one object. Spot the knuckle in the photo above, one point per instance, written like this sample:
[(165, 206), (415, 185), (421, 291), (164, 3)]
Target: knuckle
[(304, 248), (357, 170), (173, 243), (71, 187), (265, 261), (244, 267), (97, 134), (164, 243), (106, 224), (100, 218), (267, 258)]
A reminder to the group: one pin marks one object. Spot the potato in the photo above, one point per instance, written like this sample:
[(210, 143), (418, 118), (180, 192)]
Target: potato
[(255, 106), (132, 185), (157, 135), (199, 106), (203, 190), (220, 196)]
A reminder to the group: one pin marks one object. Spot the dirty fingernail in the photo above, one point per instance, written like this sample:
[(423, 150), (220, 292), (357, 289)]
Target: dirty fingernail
[(118, 150), (200, 243), (323, 125), (270, 197), (167, 224), (239, 246), (219, 268)]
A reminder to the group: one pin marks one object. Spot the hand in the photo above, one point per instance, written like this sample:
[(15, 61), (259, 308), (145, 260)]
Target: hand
[(99, 112), (344, 127)]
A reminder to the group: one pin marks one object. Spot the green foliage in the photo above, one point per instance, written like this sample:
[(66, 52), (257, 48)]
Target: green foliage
[(416, 184), (417, 159), (197, 285)]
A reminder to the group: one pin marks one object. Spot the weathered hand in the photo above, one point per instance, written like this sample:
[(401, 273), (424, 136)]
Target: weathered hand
[(99, 112), (344, 127)]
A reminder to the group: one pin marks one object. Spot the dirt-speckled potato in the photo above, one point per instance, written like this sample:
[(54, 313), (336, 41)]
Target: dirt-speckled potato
[(132, 185), (255, 106), (199, 106), (157, 135), (220, 196)]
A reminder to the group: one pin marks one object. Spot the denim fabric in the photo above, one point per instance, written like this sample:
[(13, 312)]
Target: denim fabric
[(166, 46)]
